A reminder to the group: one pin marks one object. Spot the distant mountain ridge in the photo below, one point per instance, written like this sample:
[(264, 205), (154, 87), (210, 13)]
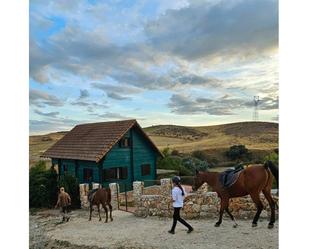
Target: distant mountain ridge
[(215, 139)]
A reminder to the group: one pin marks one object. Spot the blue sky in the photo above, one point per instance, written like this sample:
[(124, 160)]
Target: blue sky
[(160, 62)]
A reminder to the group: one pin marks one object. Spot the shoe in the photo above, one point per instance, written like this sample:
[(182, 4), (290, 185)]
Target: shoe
[(171, 231), (190, 230)]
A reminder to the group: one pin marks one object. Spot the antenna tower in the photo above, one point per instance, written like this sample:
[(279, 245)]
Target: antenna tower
[(256, 101)]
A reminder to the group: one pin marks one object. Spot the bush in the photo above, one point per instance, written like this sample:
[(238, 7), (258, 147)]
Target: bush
[(42, 186), (238, 152), (172, 162), (274, 157), (175, 153), (199, 154), (194, 164)]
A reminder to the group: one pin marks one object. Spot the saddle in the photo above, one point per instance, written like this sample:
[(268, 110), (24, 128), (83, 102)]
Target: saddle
[(91, 194), (230, 176)]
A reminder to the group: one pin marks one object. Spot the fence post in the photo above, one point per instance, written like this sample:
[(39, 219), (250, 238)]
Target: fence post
[(114, 187), (83, 194), (138, 189), (166, 204)]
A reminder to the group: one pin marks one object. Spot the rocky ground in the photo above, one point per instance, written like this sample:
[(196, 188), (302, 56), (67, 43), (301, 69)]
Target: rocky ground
[(128, 231)]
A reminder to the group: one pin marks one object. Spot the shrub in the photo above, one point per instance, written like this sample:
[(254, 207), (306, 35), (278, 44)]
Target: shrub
[(194, 164), (239, 152), (172, 162), (274, 157), (200, 154), (42, 186), (175, 153)]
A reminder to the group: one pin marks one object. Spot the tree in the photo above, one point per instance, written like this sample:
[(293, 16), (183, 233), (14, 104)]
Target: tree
[(238, 152), (200, 154)]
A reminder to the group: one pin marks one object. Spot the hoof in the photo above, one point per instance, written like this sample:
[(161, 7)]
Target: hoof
[(217, 224), (270, 226), (105, 221), (254, 225), (235, 225), (112, 219), (89, 220), (100, 219)]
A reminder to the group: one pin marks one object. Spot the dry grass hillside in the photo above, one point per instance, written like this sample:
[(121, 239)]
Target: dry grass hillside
[(258, 137)]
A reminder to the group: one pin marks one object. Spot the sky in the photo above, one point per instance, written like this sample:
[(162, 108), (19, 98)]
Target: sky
[(182, 62)]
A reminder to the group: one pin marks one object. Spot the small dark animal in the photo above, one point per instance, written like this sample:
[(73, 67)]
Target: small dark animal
[(101, 196), (253, 180)]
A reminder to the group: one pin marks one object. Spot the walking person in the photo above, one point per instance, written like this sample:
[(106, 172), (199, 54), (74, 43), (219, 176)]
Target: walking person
[(64, 201), (178, 195)]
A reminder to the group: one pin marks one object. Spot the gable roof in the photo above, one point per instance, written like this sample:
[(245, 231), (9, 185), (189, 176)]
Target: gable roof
[(93, 141)]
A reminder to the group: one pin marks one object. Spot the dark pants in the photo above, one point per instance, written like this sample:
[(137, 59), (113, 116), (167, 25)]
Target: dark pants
[(176, 217), (64, 211)]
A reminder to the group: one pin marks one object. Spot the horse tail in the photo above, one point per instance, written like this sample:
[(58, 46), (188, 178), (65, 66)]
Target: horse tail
[(273, 169)]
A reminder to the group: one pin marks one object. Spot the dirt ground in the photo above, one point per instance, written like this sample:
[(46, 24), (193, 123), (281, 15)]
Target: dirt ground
[(128, 231)]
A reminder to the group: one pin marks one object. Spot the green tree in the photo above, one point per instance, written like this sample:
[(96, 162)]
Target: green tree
[(172, 162), (200, 154), (239, 152)]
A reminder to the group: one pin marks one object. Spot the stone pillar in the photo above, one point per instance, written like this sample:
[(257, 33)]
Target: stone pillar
[(202, 189), (95, 185), (114, 187), (138, 189), (166, 202), (83, 193)]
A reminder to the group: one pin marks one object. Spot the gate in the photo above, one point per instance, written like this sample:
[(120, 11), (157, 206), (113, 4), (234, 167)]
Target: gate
[(125, 198)]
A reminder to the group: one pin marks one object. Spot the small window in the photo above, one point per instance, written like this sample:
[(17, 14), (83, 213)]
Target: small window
[(119, 173), (145, 169), (88, 174), (123, 173), (124, 142)]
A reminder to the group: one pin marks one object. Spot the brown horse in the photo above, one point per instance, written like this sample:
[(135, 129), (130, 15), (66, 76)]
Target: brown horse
[(252, 180), (101, 196)]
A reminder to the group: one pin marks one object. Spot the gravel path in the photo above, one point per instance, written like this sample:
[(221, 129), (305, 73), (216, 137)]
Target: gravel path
[(128, 231)]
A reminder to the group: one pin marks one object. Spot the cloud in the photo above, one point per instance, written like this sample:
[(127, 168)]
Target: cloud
[(41, 99), (186, 105), (112, 115), (223, 28), (47, 114), (116, 91), (83, 94)]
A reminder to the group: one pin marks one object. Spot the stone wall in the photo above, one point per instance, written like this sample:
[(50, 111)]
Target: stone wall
[(201, 204)]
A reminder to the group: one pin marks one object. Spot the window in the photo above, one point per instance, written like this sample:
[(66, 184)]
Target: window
[(145, 169), (124, 142), (88, 174), (119, 173)]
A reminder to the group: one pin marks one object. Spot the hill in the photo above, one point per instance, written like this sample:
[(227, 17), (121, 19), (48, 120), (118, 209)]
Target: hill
[(259, 137)]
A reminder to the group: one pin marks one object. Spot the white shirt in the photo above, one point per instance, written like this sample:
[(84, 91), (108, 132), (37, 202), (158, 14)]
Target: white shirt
[(178, 197)]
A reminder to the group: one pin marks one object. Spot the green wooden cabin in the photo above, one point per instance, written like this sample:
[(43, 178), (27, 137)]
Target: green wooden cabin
[(117, 151)]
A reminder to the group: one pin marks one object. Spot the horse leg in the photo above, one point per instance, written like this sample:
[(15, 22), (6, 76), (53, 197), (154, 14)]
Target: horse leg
[(110, 211), (99, 212), (272, 205), (106, 212), (259, 205), (232, 217), (223, 206), (90, 211)]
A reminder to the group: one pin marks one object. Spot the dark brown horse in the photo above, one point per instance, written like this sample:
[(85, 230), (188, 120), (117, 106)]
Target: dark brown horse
[(101, 196), (253, 180)]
